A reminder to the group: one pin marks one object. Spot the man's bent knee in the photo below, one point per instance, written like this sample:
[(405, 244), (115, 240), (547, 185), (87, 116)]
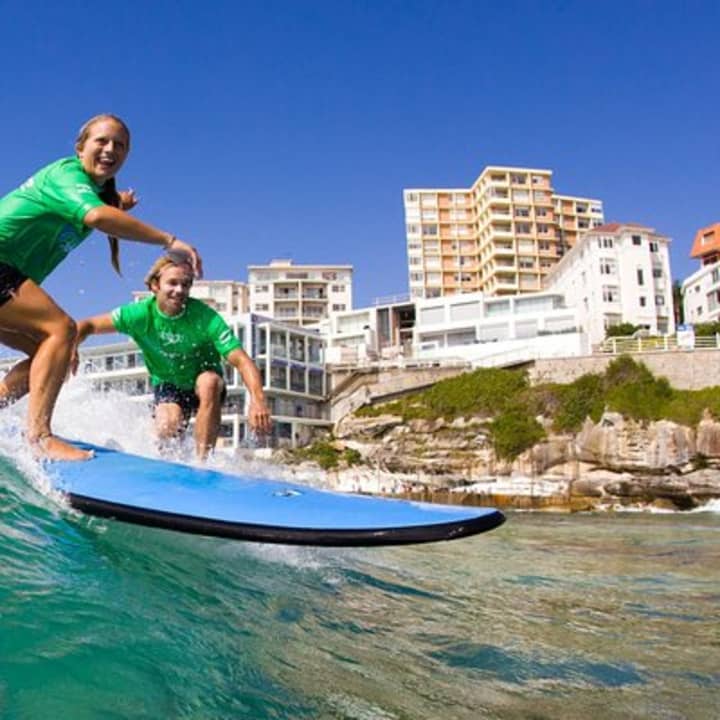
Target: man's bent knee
[(209, 387)]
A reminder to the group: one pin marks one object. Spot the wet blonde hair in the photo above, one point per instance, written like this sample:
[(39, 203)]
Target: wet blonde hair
[(175, 258), (109, 194)]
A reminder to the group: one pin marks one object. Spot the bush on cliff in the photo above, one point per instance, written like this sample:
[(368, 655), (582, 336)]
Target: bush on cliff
[(327, 456), (513, 432)]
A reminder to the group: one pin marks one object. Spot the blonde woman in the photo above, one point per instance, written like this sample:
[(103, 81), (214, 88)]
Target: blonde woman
[(40, 223)]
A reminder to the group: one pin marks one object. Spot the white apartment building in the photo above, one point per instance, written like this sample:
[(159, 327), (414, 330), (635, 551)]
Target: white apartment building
[(299, 294), (473, 327), (701, 291), (618, 273), (500, 236), (701, 295)]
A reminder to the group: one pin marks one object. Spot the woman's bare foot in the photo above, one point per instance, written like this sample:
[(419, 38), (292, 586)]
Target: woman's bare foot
[(49, 447)]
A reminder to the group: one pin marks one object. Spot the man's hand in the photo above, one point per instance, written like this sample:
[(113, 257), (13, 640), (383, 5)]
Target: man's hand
[(259, 417)]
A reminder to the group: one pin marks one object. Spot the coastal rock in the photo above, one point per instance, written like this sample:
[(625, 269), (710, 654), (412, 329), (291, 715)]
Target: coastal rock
[(708, 436), (370, 427), (613, 462), (628, 444)]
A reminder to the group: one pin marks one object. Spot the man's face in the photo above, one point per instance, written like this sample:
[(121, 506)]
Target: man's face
[(172, 288)]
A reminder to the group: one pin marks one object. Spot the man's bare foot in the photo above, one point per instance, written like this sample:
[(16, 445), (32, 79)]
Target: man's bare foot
[(48, 447)]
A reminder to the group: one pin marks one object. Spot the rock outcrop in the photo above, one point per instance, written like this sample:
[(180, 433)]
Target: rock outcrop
[(614, 462)]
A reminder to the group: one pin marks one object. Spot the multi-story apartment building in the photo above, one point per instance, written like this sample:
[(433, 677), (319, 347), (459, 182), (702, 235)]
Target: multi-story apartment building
[(701, 291), (501, 236), (299, 294), (617, 273)]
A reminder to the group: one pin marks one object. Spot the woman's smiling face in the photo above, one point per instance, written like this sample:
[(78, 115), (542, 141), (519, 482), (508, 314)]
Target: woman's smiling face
[(104, 149)]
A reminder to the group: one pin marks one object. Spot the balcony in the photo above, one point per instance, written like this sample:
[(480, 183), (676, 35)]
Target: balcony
[(502, 249)]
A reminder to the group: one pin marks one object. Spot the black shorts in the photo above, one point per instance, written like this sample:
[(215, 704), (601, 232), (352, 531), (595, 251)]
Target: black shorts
[(10, 280), (186, 399)]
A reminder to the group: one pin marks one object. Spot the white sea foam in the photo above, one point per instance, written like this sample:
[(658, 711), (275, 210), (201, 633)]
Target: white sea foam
[(710, 506)]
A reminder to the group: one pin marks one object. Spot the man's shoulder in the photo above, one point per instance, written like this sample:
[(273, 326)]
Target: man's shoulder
[(142, 308), (198, 307)]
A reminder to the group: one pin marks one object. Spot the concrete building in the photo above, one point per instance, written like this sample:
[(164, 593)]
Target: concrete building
[(617, 273), (701, 291), (477, 329), (501, 236), (299, 294)]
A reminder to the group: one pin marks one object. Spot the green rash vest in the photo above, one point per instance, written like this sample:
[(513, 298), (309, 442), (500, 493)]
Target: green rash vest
[(42, 221), (177, 348)]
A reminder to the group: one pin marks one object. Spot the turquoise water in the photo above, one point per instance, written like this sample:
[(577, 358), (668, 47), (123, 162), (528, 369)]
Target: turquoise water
[(549, 616)]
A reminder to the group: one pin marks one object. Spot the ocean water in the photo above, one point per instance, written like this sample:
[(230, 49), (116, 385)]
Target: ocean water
[(550, 616)]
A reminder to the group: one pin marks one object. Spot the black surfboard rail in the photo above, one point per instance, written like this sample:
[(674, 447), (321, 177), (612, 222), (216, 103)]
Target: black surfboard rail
[(319, 537)]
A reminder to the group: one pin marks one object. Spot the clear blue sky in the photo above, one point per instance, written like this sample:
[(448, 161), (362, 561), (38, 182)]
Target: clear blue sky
[(289, 129)]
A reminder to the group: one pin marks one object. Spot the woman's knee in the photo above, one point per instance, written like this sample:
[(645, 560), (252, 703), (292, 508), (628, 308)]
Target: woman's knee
[(63, 327)]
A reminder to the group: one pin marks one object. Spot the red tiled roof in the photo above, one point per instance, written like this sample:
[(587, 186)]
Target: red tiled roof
[(706, 242)]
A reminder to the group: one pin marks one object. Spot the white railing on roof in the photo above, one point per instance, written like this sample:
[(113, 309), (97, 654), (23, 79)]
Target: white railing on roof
[(391, 299)]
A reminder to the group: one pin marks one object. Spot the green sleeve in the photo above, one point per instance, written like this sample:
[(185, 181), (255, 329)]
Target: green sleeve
[(223, 338), (130, 319), (69, 192)]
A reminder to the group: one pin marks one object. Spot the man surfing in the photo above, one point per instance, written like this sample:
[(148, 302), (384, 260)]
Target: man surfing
[(183, 341)]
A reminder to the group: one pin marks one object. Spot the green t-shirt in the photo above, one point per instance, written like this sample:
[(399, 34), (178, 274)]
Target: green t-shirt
[(177, 349), (42, 221)]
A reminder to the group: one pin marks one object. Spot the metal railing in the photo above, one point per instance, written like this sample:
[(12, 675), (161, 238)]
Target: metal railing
[(666, 343)]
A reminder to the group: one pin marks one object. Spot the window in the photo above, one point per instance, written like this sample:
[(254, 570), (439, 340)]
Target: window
[(654, 247), (522, 228), (640, 277), (659, 300), (411, 197), (636, 240), (607, 266), (296, 275), (611, 293), (657, 273), (412, 229), (337, 307), (429, 229), (643, 301)]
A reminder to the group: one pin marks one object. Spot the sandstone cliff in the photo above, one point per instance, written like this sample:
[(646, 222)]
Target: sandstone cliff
[(615, 462)]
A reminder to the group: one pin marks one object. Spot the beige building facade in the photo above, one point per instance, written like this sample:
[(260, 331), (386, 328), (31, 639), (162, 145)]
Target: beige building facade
[(299, 294), (501, 236)]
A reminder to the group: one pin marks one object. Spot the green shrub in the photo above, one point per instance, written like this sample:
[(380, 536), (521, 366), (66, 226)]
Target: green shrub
[(580, 399), (513, 432), (621, 330)]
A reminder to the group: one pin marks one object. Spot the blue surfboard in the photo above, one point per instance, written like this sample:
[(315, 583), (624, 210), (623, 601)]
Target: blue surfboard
[(169, 495)]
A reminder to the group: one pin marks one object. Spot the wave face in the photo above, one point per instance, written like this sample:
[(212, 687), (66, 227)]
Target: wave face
[(549, 616)]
